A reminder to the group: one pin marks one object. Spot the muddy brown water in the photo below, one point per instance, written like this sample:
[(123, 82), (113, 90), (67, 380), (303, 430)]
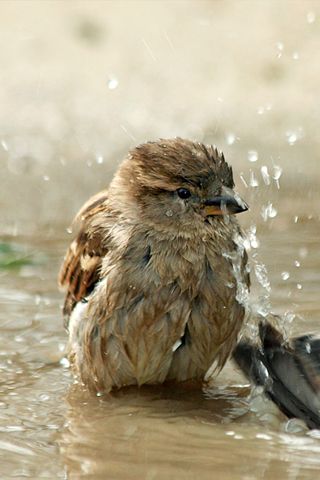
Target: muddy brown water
[(51, 428)]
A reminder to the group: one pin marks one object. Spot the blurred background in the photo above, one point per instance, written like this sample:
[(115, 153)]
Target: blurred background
[(81, 82)]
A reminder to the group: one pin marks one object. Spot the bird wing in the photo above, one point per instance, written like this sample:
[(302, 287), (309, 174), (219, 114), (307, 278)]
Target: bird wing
[(289, 373), (80, 269)]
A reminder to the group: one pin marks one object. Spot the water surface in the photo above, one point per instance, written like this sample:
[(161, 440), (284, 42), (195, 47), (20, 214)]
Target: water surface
[(51, 428)]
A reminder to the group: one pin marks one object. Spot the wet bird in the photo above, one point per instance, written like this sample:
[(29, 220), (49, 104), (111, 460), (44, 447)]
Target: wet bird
[(155, 275), (157, 283)]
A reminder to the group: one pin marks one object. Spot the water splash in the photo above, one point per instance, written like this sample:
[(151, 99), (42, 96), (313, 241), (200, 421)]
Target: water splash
[(242, 291), (261, 274)]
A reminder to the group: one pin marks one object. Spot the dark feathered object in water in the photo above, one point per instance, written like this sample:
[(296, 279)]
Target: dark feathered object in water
[(289, 372)]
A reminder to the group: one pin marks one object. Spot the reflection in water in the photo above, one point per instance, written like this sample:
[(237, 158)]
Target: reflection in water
[(150, 433), (156, 434)]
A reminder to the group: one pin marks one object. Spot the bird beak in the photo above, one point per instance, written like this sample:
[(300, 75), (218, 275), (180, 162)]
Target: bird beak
[(229, 203)]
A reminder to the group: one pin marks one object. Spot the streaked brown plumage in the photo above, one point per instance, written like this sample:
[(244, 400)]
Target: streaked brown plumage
[(153, 275)]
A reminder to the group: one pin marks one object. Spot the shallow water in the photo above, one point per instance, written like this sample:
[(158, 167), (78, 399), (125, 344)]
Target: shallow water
[(50, 428)]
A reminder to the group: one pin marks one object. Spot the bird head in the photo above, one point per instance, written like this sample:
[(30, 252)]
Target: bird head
[(177, 184)]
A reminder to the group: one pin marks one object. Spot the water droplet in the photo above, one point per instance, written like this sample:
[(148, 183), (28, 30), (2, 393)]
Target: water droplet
[(303, 252), (253, 180), (99, 159), (311, 16), (69, 230), (260, 111), (176, 345), (295, 425), (37, 299), (295, 56), (285, 275), (276, 174), (292, 138), (112, 83), (252, 155), (263, 436), (294, 135), (46, 178), (243, 180), (297, 263), (265, 174), (289, 317), (44, 397), (299, 286), (64, 362), (268, 211), (280, 48), (231, 138), (4, 145), (169, 213)]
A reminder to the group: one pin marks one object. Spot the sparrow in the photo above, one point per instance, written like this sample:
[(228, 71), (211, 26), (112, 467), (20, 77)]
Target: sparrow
[(156, 276)]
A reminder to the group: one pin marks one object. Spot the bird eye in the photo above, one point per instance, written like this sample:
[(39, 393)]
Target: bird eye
[(183, 193)]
